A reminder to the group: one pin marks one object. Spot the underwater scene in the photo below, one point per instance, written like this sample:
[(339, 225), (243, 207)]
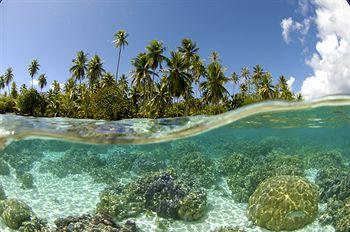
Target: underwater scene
[(268, 167)]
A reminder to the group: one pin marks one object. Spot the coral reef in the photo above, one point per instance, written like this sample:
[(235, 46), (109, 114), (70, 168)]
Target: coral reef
[(2, 193), (197, 166), (74, 161), (35, 225), (331, 183), (26, 179), (160, 192), (4, 168), (249, 174), (325, 159), (21, 158), (88, 223), (337, 214), (284, 203), (146, 162)]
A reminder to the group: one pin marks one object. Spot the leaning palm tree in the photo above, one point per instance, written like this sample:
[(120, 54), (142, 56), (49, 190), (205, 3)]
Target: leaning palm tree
[(95, 70), (155, 56), (42, 81), (2, 83), (79, 67), (213, 87), (178, 78), (120, 41), (8, 77), (33, 69)]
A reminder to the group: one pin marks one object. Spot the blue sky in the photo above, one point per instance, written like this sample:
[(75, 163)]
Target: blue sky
[(244, 33)]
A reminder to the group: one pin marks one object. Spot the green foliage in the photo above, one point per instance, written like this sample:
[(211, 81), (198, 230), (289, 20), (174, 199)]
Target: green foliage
[(7, 104), (109, 103), (31, 103), (179, 85)]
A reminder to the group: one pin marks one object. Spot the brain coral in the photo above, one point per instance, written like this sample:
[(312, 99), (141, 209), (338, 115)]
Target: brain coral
[(284, 203)]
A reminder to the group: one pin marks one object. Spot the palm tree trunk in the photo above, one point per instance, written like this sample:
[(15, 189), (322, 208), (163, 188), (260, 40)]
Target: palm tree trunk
[(8, 87), (120, 51), (32, 82)]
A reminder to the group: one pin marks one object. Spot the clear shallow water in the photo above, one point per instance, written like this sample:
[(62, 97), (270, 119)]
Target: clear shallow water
[(186, 174)]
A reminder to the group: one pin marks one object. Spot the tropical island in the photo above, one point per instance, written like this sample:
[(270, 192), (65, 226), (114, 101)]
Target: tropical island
[(176, 84)]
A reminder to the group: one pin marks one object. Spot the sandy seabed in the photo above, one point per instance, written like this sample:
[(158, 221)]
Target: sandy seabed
[(74, 195)]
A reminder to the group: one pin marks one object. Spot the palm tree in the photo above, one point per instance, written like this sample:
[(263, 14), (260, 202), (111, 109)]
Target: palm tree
[(79, 67), (161, 98), (8, 77), (214, 86), (2, 83), (56, 87), (123, 85), (189, 49), (283, 89), (95, 70), (234, 78), (108, 80), (214, 57), (42, 81), (141, 74), (23, 88), (33, 69), (120, 41), (14, 92), (266, 89), (257, 75), (178, 78), (245, 74), (155, 50)]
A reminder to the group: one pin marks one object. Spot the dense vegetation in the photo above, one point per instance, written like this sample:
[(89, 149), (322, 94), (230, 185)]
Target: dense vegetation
[(160, 86)]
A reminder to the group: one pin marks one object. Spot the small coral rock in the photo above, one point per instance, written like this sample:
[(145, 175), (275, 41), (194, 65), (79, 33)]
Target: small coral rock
[(284, 203), (15, 212)]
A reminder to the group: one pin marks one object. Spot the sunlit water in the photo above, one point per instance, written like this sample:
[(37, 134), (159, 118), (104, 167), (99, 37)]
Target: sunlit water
[(67, 167)]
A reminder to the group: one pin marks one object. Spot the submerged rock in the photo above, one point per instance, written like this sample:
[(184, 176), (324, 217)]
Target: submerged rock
[(15, 212), (284, 203), (88, 223)]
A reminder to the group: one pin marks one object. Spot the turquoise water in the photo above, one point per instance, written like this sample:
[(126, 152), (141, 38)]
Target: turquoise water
[(268, 167)]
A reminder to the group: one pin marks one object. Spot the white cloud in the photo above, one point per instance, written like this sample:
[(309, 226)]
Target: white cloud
[(289, 26), (35, 82), (331, 61), (290, 82), (303, 7), (286, 25)]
